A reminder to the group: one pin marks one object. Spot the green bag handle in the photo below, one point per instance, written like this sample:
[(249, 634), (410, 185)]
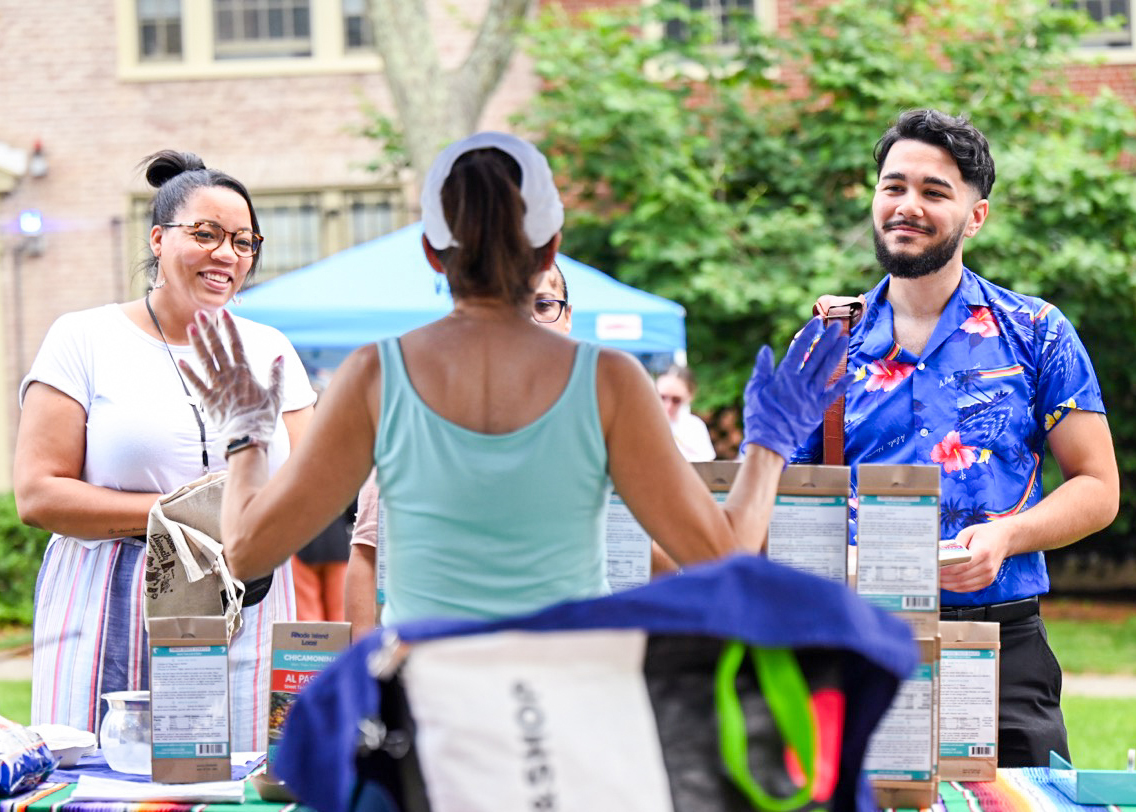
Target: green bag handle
[(787, 694)]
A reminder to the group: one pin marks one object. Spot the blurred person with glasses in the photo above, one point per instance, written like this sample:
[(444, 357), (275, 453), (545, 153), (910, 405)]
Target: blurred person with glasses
[(676, 390), (550, 302), (109, 425)]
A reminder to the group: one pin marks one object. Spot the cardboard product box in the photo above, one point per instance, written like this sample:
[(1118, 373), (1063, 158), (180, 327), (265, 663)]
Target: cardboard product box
[(902, 761), (299, 652), (809, 526), (189, 700), (719, 475), (968, 701), (898, 535), (628, 548)]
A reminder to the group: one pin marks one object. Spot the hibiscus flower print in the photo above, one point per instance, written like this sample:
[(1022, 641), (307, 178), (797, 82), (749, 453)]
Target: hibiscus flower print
[(886, 375), (981, 322), (952, 454)]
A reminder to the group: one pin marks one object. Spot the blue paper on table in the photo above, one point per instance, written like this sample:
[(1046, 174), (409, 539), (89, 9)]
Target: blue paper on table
[(96, 765), (1092, 786)]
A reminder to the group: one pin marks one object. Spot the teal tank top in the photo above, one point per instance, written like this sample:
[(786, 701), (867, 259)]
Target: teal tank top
[(491, 525)]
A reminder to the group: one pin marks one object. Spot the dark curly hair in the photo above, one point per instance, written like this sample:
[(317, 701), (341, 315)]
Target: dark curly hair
[(955, 134)]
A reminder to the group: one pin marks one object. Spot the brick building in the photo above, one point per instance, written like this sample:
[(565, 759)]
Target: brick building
[(100, 84)]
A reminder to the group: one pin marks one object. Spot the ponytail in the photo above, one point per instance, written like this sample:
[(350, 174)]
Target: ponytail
[(492, 255)]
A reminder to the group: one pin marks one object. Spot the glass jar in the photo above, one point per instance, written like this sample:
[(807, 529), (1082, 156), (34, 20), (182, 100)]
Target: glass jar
[(125, 732)]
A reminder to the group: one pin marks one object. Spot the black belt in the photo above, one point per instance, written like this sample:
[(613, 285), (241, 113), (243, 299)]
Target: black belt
[(1008, 612)]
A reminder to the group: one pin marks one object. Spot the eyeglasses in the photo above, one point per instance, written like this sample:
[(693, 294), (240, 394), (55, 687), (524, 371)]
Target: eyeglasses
[(210, 236), (547, 311)]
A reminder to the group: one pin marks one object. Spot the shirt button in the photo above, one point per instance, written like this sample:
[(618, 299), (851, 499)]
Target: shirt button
[(923, 432), (920, 366)]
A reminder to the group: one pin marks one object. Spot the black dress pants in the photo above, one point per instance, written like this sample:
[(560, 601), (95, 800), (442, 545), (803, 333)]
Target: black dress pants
[(1030, 723)]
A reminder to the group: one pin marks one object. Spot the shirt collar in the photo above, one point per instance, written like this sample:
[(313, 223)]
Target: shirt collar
[(879, 340)]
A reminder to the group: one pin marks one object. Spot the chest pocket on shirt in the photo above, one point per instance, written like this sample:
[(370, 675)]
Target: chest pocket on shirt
[(989, 402)]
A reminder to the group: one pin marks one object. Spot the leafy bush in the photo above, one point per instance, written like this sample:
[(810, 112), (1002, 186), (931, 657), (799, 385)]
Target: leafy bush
[(21, 553), (738, 182)]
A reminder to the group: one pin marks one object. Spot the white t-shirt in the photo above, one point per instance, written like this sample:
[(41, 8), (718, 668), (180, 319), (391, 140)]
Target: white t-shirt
[(141, 432), (692, 437)]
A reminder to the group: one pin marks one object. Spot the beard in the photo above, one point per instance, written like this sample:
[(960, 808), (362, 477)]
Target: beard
[(913, 266)]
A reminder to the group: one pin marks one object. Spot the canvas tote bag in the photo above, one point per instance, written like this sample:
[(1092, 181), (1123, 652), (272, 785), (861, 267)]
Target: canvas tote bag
[(185, 571), (738, 685)]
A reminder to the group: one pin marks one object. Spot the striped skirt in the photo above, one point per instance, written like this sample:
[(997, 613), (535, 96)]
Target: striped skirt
[(89, 638)]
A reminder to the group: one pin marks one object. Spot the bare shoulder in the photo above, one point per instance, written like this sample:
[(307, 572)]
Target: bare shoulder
[(622, 386), (618, 369), (356, 381)]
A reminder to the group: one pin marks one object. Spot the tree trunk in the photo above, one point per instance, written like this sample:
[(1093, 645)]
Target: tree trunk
[(436, 106)]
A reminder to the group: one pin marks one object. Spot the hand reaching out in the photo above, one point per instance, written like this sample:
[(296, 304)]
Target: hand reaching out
[(783, 406), (232, 396)]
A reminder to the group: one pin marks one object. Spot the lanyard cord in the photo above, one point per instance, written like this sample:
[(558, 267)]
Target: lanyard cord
[(189, 397)]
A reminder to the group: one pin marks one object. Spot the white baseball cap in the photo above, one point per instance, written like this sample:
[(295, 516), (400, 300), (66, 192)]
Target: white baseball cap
[(544, 213)]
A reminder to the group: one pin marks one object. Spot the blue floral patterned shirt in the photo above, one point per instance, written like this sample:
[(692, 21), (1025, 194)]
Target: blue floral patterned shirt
[(999, 371)]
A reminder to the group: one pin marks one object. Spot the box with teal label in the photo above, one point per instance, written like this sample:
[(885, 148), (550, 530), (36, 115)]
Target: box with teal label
[(897, 530), (189, 700), (809, 526), (968, 701), (902, 761), (299, 652)]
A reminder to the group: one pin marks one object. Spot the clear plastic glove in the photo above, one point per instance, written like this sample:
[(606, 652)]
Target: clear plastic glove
[(783, 406), (232, 397)]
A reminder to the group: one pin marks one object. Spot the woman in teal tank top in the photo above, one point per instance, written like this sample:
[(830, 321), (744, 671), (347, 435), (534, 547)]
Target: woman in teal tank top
[(496, 442)]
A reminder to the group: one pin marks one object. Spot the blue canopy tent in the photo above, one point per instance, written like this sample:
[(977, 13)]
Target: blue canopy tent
[(386, 287)]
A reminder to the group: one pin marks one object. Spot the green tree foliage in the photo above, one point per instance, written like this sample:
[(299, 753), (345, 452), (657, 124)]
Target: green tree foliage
[(21, 552), (738, 181)]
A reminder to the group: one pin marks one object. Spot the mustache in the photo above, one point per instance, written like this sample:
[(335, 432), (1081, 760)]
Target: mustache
[(888, 226)]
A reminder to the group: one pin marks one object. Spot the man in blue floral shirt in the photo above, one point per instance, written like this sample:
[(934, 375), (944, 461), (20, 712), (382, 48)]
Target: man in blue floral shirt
[(954, 371)]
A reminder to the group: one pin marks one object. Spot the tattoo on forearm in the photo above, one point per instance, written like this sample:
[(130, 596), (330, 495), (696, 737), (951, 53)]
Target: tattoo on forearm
[(122, 532)]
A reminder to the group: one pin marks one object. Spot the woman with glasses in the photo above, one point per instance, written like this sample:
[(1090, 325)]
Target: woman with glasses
[(676, 391), (496, 442), (550, 301), (109, 425)]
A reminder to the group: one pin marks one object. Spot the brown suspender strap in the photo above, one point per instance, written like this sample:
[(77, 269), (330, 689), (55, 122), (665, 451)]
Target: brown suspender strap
[(833, 430)]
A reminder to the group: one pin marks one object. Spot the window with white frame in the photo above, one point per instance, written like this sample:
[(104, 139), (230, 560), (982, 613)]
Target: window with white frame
[(166, 39), (255, 29), (721, 14), (302, 228), (1118, 11), (358, 31), (159, 30)]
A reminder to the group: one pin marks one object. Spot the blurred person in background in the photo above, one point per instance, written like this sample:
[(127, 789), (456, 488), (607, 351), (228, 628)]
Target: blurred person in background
[(676, 390)]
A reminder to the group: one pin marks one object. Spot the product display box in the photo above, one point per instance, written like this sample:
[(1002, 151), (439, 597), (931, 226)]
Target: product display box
[(968, 701), (898, 550), (189, 700), (809, 526), (299, 652), (902, 762)]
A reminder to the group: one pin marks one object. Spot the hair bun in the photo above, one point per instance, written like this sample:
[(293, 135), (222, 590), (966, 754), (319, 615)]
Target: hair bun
[(167, 164)]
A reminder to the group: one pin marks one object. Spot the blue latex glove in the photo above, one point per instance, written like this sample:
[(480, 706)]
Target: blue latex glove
[(783, 406)]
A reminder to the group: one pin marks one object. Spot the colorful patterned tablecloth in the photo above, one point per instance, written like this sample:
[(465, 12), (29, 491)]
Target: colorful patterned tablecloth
[(1021, 790), (54, 798), (1025, 790)]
